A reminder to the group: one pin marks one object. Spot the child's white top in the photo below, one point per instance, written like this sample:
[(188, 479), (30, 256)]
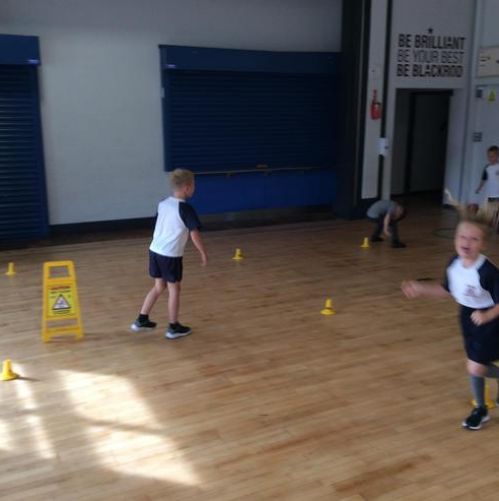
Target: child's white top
[(176, 218), (491, 175), (476, 286)]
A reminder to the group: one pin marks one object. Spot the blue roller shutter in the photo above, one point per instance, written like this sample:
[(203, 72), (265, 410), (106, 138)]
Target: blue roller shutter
[(227, 110), (23, 211), (236, 120), (259, 127)]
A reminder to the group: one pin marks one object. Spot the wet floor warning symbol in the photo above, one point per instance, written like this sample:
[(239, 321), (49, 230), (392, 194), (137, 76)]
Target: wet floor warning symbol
[(60, 300), (61, 309), (61, 303)]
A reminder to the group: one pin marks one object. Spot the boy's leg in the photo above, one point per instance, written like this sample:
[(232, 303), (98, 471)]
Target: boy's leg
[(173, 301), (152, 296), (489, 370), (378, 229), (492, 209), (478, 390), (175, 328), (495, 219), (492, 371), (394, 230), (142, 322), (479, 415)]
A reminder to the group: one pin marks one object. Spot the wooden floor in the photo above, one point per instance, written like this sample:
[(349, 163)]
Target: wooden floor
[(267, 399)]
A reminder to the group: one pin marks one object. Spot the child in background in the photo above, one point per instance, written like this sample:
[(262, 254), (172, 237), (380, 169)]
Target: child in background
[(490, 177), (473, 281), (385, 214), (177, 220)]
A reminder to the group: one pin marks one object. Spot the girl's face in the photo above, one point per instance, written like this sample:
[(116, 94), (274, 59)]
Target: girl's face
[(469, 241)]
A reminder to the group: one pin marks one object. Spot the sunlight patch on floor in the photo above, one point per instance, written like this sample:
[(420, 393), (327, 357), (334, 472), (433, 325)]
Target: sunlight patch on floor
[(38, 436), (6, 439), (124, 432)]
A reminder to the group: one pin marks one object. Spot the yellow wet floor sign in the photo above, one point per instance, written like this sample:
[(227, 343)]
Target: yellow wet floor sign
[(61, 309)]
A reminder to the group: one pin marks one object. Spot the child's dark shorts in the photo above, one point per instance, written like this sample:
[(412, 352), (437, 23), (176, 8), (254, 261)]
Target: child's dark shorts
[(170, 269), (481, 342)]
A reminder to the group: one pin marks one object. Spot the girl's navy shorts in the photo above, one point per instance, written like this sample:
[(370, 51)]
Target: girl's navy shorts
[(480, 342), (170, 269)]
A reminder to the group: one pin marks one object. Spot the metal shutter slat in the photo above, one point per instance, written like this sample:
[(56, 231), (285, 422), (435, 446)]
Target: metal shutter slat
[(231, 120), (23, 212)]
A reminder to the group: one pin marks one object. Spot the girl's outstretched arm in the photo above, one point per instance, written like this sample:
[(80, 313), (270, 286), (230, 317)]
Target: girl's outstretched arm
[(413, 289)]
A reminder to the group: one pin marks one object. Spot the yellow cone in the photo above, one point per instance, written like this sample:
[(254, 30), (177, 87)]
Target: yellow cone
[(7, 373), (365, 243), (328, 308), (238, 255), (488, 400), (11, 270)]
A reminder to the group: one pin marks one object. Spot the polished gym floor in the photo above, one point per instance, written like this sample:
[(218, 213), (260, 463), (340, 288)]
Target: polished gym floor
[(268, 399)]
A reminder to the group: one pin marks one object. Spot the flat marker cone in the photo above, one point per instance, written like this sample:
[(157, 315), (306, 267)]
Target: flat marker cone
[(11, 270), (365, 243), (328, 308), (238, 256), (489, 403), (7, 373)]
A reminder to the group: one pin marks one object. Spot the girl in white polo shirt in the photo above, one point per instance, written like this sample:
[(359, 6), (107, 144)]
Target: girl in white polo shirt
[(473, 281)]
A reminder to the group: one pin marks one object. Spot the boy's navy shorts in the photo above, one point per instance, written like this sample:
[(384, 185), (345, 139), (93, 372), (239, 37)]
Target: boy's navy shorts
[(170, 269)]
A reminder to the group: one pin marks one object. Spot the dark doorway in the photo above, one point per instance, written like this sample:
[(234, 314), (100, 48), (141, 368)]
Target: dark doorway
[(420, 141)]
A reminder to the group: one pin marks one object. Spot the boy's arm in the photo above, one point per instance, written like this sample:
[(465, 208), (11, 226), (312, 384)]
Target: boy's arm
[(386, 224), (483, 180), (484, 317), (413, 289), (198, 243), (489, 280), (193, 224)]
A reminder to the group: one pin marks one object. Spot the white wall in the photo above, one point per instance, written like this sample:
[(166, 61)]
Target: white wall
[(489, 19), (483, 113), (456, 166), (444, 18), (375, 82), (100, 84)]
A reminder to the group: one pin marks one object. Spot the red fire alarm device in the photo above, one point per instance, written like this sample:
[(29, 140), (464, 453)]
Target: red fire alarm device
[(375, 106)]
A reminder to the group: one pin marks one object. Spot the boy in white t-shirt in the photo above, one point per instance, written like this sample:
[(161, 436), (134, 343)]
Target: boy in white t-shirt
[(490, 177), (177, 220)]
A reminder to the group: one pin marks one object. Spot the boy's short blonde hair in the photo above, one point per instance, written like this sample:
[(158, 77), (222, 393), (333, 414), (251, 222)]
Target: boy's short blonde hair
[(181, 177)]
